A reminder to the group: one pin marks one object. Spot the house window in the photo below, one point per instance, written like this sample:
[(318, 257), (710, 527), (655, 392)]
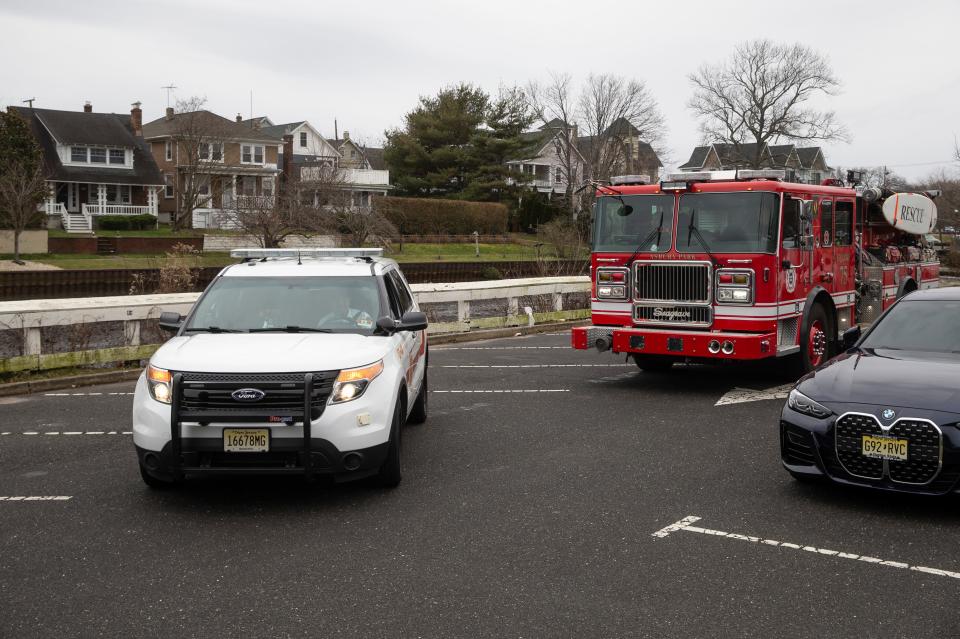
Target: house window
[(169, 151), (203, 151), (98, 156), (249, 185), (245, 156), (118, 156), (78, 154), (258, 155), (267, 186), (303, 138), (125, 193), (216, 151), (559, 175), (168, 186)]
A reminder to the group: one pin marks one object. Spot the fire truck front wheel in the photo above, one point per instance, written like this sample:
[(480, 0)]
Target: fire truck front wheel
[(815, 341), (653, 363)]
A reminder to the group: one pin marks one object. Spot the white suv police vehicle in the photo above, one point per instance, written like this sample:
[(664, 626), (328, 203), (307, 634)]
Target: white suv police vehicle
[(294, 361)]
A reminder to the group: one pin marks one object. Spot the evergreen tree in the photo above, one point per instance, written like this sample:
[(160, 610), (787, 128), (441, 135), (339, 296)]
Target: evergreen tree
[(456, 145)]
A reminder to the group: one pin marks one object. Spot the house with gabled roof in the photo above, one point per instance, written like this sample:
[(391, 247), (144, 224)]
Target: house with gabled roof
[(803, 165), (96, 164), (230, 159), (545, 166)]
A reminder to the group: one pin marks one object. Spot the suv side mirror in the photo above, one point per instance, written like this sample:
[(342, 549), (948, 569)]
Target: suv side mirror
[(413, 321), (850, 337), (170, 321), (387, 325)]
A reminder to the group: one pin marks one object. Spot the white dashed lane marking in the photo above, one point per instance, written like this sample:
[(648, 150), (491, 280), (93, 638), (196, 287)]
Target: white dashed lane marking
[(535, 365), (501, 348), (35, 498), (82, 394), (539, 390), (684, 525), (72, 432)]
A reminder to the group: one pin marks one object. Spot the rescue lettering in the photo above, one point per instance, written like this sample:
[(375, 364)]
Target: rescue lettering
[(911, 213)]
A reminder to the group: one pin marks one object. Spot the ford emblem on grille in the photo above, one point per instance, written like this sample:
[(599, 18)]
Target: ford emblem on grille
[(888, 413), (248, 394)]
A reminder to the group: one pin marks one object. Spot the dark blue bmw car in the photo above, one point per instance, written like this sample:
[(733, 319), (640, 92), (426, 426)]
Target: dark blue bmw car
[(885, 413)]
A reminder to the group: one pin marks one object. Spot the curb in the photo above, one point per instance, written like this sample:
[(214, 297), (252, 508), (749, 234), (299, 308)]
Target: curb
[(60, 383)]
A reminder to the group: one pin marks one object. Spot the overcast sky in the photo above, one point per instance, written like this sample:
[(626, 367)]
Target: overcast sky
[(366, 62)]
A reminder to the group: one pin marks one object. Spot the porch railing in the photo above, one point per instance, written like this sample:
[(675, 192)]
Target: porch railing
[(117, 209)]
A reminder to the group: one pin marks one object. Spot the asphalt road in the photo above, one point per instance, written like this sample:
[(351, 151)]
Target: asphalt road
[(521, 514)]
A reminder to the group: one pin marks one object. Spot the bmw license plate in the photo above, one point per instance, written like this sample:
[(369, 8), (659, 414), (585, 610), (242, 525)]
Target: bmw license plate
[(884, 448), (246, 440)]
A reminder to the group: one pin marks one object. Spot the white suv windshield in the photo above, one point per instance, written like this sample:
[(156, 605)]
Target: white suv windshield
[(267, 304)]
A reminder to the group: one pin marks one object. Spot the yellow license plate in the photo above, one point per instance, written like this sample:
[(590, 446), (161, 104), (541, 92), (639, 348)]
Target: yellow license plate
[(246, 440), (884, 448)]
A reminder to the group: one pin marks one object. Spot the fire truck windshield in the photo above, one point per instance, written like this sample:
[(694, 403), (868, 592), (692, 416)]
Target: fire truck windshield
[(729, 222), (623, 222)]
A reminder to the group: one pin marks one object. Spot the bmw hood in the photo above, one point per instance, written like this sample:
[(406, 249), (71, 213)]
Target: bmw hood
[(902, 379), (269, 352)]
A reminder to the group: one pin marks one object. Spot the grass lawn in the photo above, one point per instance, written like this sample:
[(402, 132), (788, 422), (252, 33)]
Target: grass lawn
[(85, 261)]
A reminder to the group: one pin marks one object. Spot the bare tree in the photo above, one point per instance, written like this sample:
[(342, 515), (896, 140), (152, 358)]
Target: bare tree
[(553, 103), (271, 218), (22, 179), (199, 141), (760, 95), (618, 113), (879, 176)]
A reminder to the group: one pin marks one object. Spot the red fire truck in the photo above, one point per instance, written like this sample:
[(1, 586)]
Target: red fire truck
[(742, 265)]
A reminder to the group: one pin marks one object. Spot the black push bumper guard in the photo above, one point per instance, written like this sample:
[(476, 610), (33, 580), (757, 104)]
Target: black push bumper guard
[(305, 456)]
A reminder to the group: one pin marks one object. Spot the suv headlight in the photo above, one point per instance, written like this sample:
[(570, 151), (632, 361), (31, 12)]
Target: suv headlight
[(352, 382), (803, 404), (160, 382)]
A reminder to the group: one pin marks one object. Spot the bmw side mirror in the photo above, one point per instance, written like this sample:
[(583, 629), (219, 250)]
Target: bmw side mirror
[(170, 321), (850, 337), (413, 321)]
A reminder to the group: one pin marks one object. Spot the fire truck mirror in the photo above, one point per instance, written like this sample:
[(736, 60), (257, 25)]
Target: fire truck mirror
[(809, 210)]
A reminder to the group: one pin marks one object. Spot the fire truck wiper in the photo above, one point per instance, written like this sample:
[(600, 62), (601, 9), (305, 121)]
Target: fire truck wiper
[(692, 230), (657, 231)]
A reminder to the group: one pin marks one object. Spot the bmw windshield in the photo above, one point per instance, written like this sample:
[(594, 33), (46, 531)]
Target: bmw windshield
[(728, 223), (288, 304), (642, 223), (918, 325)]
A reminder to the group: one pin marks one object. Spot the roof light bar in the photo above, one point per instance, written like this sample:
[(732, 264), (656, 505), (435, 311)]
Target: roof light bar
[(626, 180), (673, 186), (312, 253), (761, 174)]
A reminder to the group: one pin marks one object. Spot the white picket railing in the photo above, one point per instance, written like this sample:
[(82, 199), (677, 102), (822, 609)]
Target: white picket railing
[(118, 209)]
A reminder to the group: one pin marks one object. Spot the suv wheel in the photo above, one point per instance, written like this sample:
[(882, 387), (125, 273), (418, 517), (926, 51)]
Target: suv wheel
[(389, 475)]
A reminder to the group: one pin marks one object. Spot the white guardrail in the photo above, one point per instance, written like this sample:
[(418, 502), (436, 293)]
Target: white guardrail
[(59, 333)]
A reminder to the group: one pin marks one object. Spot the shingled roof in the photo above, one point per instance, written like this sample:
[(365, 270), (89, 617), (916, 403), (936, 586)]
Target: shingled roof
[(227, 129), (50, 127)]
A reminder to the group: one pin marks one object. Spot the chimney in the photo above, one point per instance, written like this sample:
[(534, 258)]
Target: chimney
[(169, 115), (87, 107), (239, 118), (287, 165), (136, 119), (346, 136)]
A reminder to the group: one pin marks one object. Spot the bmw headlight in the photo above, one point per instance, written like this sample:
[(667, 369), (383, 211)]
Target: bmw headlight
[(803, 404), (160, 382), (352, 382)]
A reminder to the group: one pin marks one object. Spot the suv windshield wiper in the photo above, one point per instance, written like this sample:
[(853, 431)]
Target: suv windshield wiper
[(289, 329), (209, 329)]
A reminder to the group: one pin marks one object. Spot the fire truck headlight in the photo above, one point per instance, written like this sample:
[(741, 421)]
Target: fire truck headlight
[(612, 292), (725, 295), (741, 295)]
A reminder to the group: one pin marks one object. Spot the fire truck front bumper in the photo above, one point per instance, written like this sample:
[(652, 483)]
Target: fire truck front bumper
[(676, 343)]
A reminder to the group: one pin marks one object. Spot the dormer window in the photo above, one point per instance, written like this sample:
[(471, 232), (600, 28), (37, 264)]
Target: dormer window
[(78, 154), (118, 156), (98, 155)]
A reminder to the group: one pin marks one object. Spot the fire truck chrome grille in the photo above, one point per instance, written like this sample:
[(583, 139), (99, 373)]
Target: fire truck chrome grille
[(673, 314), (681, 282)]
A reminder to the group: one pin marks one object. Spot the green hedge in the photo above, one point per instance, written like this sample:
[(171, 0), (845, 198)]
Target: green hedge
[(126, 222), (423, 216)]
